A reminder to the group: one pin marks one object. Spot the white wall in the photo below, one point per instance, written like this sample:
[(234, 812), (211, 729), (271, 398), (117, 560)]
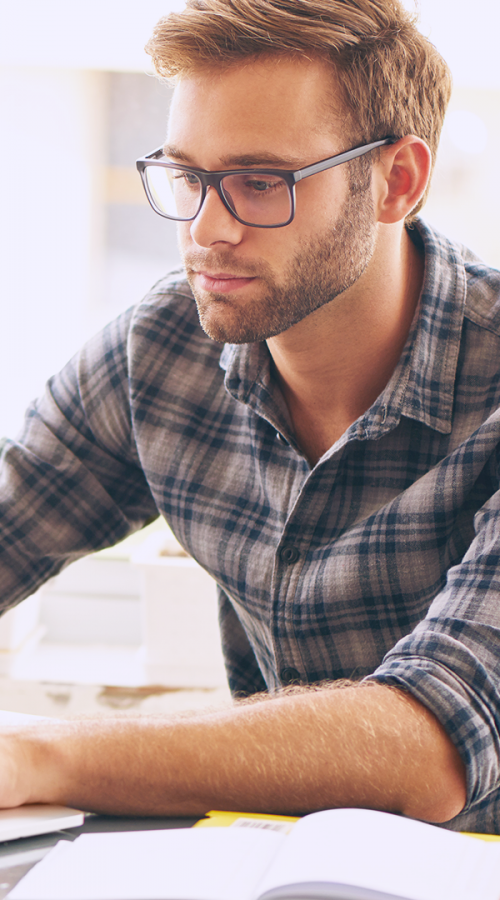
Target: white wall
[(467, 34), (50, 228), (80, 34), (52, 97)]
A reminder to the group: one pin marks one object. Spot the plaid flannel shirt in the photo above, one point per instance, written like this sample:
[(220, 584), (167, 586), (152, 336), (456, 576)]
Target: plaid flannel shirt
[(381, 561)]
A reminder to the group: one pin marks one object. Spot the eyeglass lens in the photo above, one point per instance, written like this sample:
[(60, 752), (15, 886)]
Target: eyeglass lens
[(260, 199)]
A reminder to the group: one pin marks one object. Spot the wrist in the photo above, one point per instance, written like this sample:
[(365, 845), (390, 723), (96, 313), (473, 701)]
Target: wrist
[(16, 764), (29, 772)]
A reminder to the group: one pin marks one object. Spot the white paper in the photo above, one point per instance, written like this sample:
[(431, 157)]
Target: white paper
[(389, 854), (374, 851), (184, 864)]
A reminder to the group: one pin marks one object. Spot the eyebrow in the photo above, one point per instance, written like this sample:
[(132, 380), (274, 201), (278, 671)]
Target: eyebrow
[(245, 160)]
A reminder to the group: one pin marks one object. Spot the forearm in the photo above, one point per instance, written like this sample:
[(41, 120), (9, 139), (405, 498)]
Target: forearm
[(369, 746)]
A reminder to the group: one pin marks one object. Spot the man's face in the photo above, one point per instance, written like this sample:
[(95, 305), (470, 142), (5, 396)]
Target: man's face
[(254, 283)]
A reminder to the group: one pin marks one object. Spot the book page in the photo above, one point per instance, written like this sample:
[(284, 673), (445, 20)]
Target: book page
[(177, 864), (383, 853)]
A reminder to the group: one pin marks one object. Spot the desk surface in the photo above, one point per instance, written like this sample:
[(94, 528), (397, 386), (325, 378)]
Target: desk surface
[(18, 857)]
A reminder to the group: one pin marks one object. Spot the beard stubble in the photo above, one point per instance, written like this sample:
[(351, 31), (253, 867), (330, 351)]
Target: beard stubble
[(322, 270)]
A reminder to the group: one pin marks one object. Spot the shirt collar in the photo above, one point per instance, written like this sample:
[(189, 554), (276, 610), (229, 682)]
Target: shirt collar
[(422, 385), (249, 379)]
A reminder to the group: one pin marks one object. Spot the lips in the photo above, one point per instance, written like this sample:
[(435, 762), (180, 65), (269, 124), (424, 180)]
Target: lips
[(222, 283)]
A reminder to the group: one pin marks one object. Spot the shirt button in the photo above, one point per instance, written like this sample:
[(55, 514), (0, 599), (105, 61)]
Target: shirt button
[(289, 554), (289, 675), (280, 438)]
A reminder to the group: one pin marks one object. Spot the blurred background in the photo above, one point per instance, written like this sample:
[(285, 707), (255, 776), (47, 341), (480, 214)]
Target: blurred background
[(78, 244)]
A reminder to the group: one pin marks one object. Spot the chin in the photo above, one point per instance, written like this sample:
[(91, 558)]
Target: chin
[(215, 324)]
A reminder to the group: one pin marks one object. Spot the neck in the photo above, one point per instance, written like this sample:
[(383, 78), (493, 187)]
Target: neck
[(334, 364)]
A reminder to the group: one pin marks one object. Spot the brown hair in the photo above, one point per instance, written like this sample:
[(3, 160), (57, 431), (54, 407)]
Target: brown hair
[(392, 80)]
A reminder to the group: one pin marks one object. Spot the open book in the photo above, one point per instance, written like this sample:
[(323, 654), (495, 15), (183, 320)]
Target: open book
[(344, 854)]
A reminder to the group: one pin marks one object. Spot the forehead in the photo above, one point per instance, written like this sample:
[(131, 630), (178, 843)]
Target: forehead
[(277, 104)]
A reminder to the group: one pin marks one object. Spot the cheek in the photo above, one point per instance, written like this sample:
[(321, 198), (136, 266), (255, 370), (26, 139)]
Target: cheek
[(318, 200), (183, 236), (274, 247)]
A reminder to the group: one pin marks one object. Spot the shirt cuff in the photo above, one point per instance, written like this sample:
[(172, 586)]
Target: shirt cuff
[(446, 677)]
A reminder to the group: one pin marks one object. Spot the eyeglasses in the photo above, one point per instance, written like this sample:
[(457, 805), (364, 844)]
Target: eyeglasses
[(262, 198)]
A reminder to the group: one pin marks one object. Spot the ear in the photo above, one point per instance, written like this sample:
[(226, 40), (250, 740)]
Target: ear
[(400, 178)]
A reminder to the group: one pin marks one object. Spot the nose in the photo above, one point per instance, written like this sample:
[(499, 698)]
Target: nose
[(215, 224)]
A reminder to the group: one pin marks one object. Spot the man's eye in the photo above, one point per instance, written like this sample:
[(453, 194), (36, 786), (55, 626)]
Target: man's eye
[(261, 185), (258, 185), (187, 178)]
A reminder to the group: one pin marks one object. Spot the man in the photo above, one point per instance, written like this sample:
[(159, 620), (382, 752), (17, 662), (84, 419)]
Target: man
[(333, 466)]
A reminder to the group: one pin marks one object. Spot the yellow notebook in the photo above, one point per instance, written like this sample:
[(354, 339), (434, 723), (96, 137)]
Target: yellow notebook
[(482, 837)]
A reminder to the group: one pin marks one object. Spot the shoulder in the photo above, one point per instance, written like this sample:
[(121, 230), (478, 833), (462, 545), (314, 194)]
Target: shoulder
[(457, 273), (168, 306), (159, 334), (167, 349), (167, 318)]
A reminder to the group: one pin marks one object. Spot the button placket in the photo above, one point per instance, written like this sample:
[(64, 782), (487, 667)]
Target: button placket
[(288, 571), (286, 574)]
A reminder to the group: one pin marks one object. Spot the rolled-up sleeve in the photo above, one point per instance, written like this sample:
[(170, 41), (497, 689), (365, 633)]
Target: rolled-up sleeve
[(451, 663)]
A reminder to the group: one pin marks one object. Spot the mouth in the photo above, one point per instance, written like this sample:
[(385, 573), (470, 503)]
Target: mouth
[(221, 282)]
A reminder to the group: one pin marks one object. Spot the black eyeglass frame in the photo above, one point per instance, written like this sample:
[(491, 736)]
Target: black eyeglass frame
[(214, 179)]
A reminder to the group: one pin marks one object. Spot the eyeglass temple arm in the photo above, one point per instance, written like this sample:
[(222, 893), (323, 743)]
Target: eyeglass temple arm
[(341, 158), (308, 170)]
